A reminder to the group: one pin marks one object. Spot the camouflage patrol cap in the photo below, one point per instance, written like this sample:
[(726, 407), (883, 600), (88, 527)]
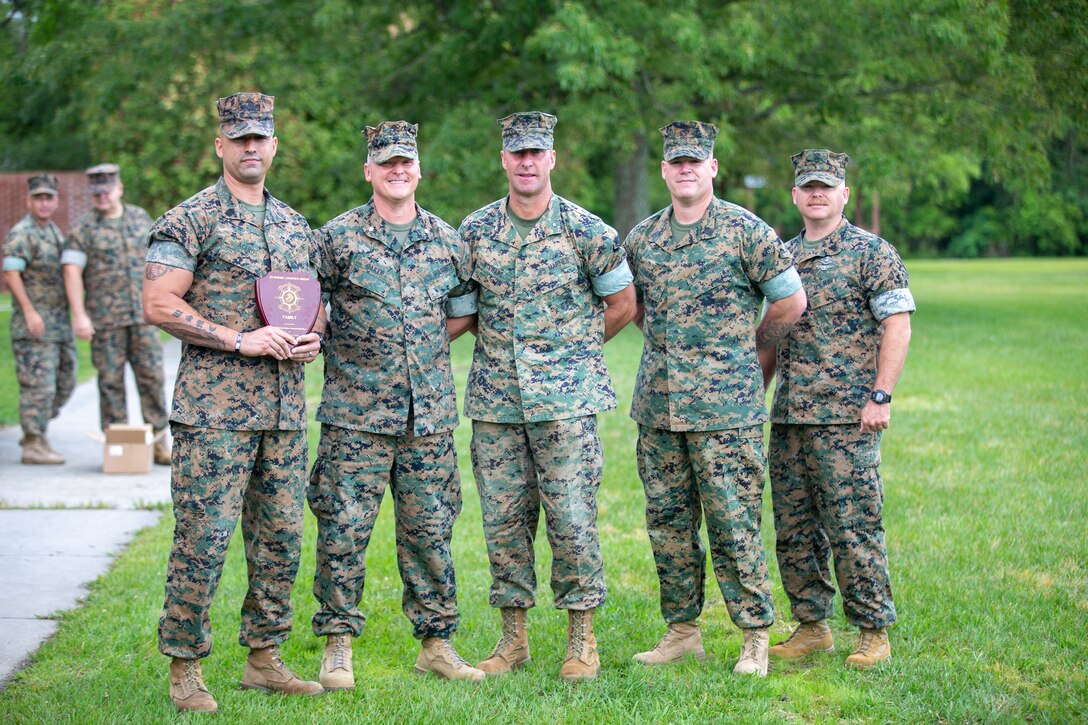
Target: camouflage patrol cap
[(389, 139), (246, 114), (42, 184), (820, 165), (693, 139), (103, 177), (527, 130)]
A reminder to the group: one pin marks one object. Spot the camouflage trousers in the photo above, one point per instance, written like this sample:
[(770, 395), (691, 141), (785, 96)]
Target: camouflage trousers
[(518, 468), (347, 483), (719, 474), (828, 501), (217, 475), (139, 346), (46, 372)]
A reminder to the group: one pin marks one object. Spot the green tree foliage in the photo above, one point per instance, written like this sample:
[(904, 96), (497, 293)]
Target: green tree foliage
[(933, 99)]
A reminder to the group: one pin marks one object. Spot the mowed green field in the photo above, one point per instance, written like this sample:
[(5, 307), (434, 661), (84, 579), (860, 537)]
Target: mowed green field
[(986, 514)]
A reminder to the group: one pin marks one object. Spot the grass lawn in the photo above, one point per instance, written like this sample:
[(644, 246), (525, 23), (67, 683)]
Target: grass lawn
[(9, 401), (986, 513)]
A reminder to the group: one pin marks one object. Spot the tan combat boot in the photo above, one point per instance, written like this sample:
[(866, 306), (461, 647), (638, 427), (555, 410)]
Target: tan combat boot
[(681, 638), (582, 662), (438, 656), (159, 450), (809, 637), (336, 672), (266, 671), (753, 653), (512, 651), (37, 451), (187, 690), (873, 647)]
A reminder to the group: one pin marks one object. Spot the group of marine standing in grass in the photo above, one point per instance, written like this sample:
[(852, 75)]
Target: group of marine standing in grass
[(542, 284)]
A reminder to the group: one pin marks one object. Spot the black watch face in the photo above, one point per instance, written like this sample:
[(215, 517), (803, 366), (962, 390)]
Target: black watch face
[(879, 396)]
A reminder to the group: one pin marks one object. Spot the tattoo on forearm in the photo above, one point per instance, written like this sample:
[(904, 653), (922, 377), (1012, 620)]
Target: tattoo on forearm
[(194, 330), (154, 271), (771, 333)]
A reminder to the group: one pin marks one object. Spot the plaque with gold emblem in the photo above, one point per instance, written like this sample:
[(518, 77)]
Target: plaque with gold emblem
[(289, 301)]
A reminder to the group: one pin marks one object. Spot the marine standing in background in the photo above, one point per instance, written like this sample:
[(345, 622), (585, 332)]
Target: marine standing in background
[(836, 370), (554, 286), (703, 267), (41, 338), (396, 277), (239, 413), (104, 257)]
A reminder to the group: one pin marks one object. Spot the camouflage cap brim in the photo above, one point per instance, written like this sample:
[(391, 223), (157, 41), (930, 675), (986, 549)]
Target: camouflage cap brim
[(823, 178), (392, 151), (530, 141), (103, 188), (702, 153), (248, 127)]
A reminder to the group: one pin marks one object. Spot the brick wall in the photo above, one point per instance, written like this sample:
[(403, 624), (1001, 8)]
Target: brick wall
[(74, 200)]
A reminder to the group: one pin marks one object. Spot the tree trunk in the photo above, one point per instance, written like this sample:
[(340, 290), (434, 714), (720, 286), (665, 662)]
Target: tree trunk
[(874, 203), (632, 198)]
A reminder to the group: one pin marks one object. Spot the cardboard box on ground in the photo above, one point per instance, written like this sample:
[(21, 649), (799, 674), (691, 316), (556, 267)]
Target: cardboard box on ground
[(128, 449)]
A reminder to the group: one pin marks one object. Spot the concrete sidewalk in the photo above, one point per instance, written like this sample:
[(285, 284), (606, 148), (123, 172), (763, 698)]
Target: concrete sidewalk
[(61, 526)]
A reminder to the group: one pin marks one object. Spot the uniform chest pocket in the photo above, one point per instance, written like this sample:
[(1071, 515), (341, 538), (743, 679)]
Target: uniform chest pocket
[(717, 280), (441, 282), (251, 259), (557, 274), (296, 252), (828, 291), (498, 281), (364, 283)]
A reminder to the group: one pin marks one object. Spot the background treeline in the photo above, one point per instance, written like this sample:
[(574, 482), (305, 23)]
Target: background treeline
[(964, 117)]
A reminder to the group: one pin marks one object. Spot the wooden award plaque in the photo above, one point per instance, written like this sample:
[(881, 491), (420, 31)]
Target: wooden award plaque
[(289, 301)]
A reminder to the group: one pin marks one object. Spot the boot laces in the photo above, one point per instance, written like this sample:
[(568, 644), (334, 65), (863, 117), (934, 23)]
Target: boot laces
[(450, 653), (339, 652), (277, 661), (578, 634), (509, 631), (192, 674), (749, 649), (868, 639), (671, 634), (803, 631)]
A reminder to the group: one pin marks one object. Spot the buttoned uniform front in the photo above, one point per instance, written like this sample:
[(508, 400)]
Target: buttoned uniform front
[(699, 402), (45, 366), (827, 492), (387, 351), (388, 411), (238, 422), (537, 381), (539, 348), (112, 255)]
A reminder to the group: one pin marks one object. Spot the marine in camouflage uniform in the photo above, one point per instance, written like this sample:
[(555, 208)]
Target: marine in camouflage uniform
[(104, 258), (703, 268), (554, 285), (41, 338), (239, 413), (396, 276), (836, 371)]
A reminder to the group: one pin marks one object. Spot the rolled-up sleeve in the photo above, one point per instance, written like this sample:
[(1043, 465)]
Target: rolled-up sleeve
[(891, 303), (782, 285), (613, 280), (74, 256)]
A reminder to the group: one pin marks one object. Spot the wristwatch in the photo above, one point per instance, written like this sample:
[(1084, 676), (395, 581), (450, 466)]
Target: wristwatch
[(880, 397)]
